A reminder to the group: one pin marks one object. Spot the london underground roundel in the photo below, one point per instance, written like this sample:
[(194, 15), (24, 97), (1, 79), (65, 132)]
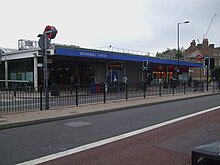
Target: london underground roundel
[(198, 57), (50, 31)]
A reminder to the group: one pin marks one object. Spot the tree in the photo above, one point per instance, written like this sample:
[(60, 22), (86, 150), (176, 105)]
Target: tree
[(169, 52)]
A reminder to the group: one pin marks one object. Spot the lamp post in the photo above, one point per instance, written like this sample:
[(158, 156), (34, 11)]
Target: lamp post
[(178, 42)]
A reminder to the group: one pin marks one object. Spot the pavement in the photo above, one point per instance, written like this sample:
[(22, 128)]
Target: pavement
[(35, 117)]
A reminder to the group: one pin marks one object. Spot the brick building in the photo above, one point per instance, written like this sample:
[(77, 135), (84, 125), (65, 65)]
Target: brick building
[(197, 53)]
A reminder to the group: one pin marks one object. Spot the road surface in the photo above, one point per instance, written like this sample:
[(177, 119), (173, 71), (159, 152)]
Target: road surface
[(31, 142)]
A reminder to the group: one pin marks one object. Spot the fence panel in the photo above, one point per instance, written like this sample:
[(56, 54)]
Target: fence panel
[(21, 99)]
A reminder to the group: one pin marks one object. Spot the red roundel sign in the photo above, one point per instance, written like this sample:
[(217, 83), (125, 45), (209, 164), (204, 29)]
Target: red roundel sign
[(50, 31), (198, 57)]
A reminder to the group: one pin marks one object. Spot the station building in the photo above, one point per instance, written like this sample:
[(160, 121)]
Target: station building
[(68, 64)]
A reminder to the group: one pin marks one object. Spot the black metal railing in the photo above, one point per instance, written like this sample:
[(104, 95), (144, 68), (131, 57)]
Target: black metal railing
[(22, 99)]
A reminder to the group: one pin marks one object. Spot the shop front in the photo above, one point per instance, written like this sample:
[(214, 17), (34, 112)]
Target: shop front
[(168, 73)]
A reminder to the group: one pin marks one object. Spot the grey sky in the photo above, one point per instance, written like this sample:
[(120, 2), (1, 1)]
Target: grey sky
[(146, 25)]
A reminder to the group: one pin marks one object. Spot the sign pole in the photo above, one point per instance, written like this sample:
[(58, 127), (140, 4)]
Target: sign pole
[(207, 79), (46, 74), (44, 43)]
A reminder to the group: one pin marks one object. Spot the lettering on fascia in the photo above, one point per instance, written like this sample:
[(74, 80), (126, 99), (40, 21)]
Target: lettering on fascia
[(102, 55), (88, 54)]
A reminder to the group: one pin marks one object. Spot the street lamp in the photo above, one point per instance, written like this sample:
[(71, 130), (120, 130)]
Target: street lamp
[(178, 42)]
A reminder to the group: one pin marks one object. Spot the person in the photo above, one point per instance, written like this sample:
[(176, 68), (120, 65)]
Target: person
[(189, 81), (115, 84), (71, 80), (115, 79), (125, 79)]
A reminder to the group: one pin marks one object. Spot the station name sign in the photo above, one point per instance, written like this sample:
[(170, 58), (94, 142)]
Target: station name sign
[(95, 55)]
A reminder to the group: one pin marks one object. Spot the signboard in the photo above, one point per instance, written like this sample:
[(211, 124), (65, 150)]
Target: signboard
[(199, 57), (40, 65), (50, 31), (115, 66), (44, 42)]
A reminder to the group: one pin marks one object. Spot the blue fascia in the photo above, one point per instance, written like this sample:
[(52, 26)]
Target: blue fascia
[(95, 54)]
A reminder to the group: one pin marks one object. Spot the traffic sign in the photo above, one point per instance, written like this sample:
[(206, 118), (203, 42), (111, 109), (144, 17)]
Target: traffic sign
[(44, 43), (50, 31)]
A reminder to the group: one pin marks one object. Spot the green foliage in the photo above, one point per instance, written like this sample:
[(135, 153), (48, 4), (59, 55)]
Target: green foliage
[(171, 52)]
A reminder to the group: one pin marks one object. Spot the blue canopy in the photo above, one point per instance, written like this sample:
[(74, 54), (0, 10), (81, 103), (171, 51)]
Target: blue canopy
[(79, 52)]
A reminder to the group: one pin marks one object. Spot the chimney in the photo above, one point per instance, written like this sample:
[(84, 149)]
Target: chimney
[(211, 46), (205, 42), (193, 43), (199, 46), (192, 46)]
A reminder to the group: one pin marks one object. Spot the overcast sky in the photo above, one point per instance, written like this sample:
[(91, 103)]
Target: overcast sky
[(146, 25)]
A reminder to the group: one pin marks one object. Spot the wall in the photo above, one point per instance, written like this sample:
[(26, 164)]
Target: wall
[(100, 72), (133, 72)]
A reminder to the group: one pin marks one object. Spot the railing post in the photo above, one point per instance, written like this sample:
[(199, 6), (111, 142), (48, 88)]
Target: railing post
[(47, 105), (219, 86), (213, 87), (126, 91), (104, 92), (145, 89), (202, 86), (160, 90), (41, 98), (14, 92), (194, 87), (77, 92), (184, 87)]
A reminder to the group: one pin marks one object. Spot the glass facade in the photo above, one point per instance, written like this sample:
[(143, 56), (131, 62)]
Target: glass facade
[(21, 69), (67, 71), (2, 71)]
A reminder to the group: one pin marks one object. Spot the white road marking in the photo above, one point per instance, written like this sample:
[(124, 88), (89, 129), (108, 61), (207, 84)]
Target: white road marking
[(112, 139)]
